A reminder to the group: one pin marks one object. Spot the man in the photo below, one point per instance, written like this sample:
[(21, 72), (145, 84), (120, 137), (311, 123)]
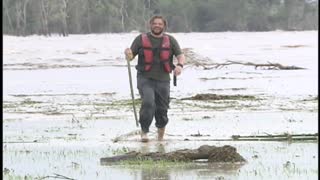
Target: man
[(155, 52)]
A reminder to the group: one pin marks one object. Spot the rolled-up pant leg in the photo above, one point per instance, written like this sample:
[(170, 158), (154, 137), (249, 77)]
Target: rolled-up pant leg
[(147, 110), (162, 99)]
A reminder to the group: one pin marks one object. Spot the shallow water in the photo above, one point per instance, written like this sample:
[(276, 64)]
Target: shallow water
[(66, 98)]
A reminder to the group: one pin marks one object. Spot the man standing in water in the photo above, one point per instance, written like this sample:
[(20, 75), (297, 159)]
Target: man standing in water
[(155, 52)]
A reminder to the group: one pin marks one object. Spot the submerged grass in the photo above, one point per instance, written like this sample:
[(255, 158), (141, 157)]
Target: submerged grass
[(18, 177), (120, 150), (126, 102), (102, 109), (28, 101), (150, 164)]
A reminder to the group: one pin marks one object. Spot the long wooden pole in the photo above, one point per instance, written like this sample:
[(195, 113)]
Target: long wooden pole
[(132, 94)]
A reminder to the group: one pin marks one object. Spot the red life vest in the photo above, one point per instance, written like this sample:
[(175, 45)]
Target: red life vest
[(164, 53)]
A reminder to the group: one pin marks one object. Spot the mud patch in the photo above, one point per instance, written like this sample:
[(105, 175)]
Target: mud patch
[(63, 95), (311, 99), (231, 89), (206, 97), (225, 153), (229, 78), (294, 46)]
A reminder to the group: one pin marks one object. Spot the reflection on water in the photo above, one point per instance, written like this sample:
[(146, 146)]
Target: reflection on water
[(157, 147), (198, 170), (155, 173)]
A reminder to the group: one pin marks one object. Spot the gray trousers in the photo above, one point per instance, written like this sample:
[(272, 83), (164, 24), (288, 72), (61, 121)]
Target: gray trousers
[(155, 96)]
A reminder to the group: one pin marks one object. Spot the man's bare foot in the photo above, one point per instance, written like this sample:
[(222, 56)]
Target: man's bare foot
[(144, 137), (161, 133)]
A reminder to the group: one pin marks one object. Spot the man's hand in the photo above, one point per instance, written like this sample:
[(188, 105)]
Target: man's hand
[(177, 70), (179, 66), (128, 53)]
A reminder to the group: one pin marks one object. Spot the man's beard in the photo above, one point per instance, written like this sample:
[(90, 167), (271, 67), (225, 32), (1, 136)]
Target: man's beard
[(157, 33)]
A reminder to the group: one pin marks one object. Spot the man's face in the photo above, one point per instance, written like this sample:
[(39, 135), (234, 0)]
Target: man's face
[(157, 26)]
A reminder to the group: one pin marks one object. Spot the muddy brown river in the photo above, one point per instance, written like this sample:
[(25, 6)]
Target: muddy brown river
[(65, 99)]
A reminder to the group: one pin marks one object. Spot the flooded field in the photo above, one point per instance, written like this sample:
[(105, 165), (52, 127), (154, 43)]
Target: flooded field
[(67, 98)]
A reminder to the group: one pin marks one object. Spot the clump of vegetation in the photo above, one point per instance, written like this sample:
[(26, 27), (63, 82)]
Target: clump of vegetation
[(225, 153)]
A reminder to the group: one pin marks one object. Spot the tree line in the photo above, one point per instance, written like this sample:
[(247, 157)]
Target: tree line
[(46, 17)]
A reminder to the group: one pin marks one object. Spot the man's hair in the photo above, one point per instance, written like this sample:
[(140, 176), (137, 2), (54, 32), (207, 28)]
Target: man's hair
[(158, 17)]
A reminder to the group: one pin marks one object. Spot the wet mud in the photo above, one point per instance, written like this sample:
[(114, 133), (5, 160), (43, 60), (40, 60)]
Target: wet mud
[(225, 153), (206, 97)]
